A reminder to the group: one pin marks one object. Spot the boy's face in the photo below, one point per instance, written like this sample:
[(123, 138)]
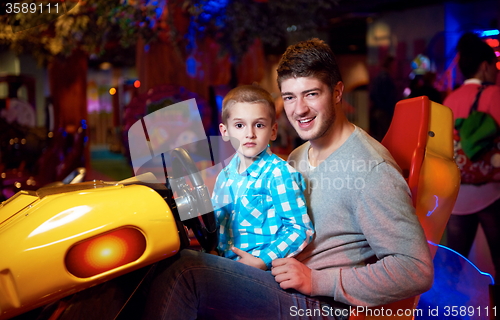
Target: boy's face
[(250, 124)]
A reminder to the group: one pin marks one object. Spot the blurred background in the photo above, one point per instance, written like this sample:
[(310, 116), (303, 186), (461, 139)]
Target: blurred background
[(75, 75)]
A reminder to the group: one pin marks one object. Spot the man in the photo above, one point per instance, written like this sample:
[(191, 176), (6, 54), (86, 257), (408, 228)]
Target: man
[(358, 202), (369, 247)]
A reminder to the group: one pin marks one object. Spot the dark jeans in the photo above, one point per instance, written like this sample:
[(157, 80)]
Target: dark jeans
[(461, 231), (194, 285)]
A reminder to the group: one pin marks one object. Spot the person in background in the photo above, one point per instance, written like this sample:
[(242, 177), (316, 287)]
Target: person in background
[(258, 198), (383, 97), (424, 86), (476, 204)]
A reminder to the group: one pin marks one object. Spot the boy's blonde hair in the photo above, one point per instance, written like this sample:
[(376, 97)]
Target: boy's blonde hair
[(248, 94)]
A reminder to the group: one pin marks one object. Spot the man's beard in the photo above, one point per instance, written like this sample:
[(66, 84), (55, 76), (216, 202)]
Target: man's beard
[(322, 129)]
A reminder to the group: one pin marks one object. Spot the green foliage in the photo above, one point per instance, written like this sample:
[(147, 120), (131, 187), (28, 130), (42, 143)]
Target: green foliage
[(94, 25), (89, 26)]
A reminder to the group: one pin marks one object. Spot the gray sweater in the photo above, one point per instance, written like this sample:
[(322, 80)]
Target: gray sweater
[(369, 248)]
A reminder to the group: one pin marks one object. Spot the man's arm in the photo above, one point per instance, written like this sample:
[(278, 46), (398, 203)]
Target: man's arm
[(387, 219), (404, 267)]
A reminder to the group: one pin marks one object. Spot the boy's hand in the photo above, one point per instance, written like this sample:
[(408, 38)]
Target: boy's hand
[(292, 274), (248, 259)]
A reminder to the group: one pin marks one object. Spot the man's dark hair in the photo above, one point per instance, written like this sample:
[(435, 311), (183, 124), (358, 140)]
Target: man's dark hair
[(472, 52), (311, 58)]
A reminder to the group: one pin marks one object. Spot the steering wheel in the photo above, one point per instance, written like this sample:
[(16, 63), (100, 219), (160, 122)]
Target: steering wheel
[(193, 202)]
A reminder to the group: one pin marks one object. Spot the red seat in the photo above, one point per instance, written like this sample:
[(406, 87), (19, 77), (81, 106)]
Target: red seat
[(406, 138), (420, 140)]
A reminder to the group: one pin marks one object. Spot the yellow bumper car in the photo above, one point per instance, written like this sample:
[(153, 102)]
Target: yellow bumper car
[(62, 239)]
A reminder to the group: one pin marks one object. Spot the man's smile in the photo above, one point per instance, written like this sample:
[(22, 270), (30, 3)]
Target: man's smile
[(303, 123)]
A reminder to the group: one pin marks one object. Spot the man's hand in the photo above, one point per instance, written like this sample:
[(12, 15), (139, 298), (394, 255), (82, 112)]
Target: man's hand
[(292, 274), (248, 259)]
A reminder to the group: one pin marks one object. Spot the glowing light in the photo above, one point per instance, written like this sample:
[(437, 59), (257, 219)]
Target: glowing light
[(490, 33), (492, 42), (191, 66), (379, 34), (498, 65), (472, 264), (212, 11), (435, 206), (406, 92), (105, 66), (105, 252), (112, 91), (137, 83)]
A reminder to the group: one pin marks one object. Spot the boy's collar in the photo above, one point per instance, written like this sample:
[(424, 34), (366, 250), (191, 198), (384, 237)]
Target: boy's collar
[(254, 168)]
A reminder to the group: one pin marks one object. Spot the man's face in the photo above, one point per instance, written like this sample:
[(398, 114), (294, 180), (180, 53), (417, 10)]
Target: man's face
[(309, 106)]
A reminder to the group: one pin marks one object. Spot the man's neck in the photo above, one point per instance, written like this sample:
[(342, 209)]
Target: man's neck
[(473, 80), (323, 147)]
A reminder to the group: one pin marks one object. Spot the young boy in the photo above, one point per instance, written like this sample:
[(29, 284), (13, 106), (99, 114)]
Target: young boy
[(258, 198)]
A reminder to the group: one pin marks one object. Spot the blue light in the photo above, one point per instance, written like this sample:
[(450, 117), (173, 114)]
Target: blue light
[(472, 264), (490, 33), (191, 66), (212, 13), (159, 11), (435, 206), (218, 101)]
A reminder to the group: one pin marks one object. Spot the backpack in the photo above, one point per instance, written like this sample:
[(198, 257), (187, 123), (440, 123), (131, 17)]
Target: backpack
[(477, 146)]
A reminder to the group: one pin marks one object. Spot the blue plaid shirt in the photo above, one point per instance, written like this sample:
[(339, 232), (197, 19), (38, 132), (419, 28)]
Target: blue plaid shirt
[(261, 211)]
